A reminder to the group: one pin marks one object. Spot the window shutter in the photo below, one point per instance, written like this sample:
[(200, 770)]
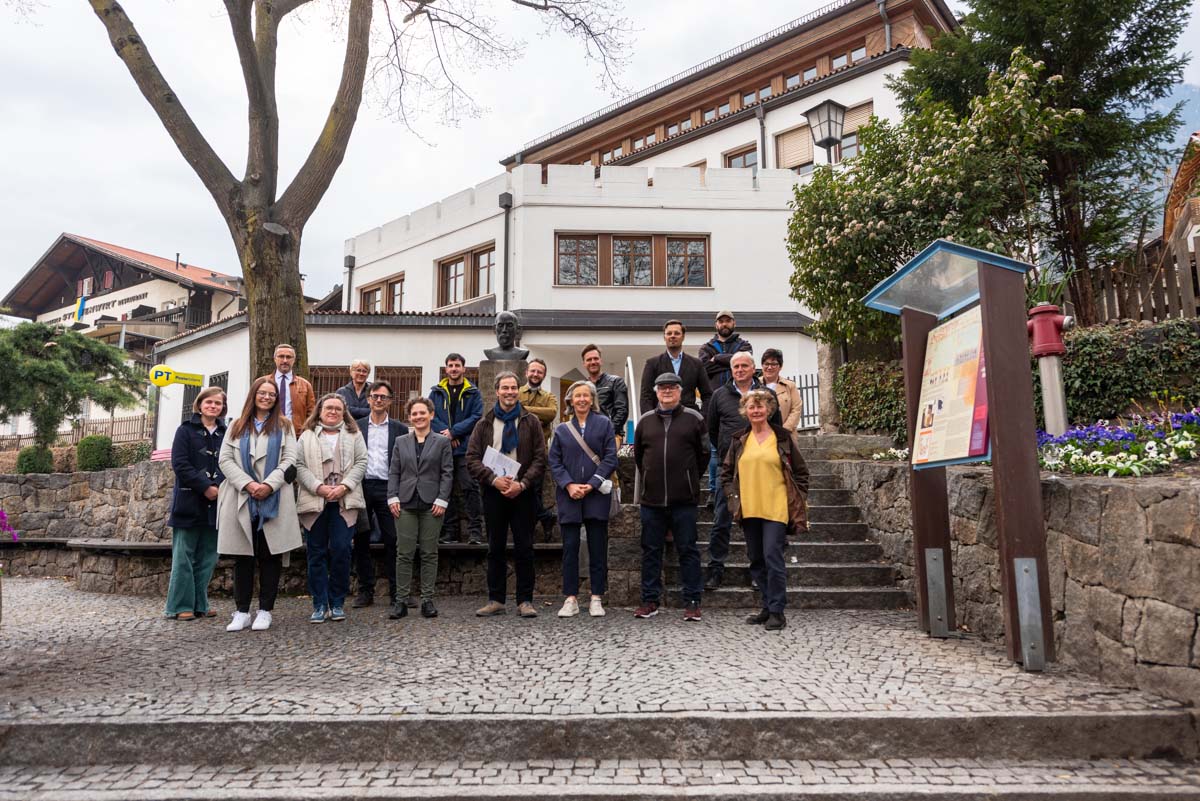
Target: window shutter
[(794, 148), (857, 117)]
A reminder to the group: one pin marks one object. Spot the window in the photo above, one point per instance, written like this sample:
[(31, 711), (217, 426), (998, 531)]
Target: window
[(764, 93), (839, 61), (372, 300), (804, 169), (848, 148), (810, 73), (672, 130), (858, 54), (189, 397), (485, 262), (577, 257), (631, 262), (83, 287), (710, 114), (687, 262), (639, 143), (108, 279), (221, 380), (749, 99), (685, 125), (452, 283), (618, 152), (745, 158), (723, 109), (792, 81), (607, 157), (395, 295), (651, 138)]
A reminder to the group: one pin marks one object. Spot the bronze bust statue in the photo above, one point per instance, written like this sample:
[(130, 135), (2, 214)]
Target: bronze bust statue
[(508, 338)]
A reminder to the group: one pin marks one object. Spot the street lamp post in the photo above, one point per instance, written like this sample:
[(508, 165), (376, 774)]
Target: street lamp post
[(826, 120)]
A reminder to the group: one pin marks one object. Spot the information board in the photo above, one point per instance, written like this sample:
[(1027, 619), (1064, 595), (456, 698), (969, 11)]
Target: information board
[(952, 418)]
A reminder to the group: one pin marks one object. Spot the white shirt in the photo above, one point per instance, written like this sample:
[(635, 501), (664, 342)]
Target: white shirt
[(286, 400), (377, 454)]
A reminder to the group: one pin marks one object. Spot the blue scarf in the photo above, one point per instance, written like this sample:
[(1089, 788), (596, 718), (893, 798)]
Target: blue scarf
[(268, 509), (508, 443)]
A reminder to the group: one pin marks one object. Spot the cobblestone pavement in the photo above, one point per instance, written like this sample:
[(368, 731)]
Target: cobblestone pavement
[(71, 655), (1144, 778)]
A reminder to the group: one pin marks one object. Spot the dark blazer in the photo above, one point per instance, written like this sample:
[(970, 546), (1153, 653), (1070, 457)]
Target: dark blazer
[(725, 419), (395, 429), (570, 465), (670, 458), (194, 456), (432, 476), (691, 373), (531, 450)]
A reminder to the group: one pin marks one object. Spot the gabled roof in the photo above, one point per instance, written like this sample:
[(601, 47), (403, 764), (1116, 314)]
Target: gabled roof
[(1185, 185), (185, 274)]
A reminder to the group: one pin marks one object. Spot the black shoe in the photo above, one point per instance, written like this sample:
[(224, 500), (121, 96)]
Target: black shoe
[(363, 599), (475, 541), (399, 610), (445, 541), (713, 582), (428, 609), (411, 602), (759, 619), (754, 585), (775, 621)]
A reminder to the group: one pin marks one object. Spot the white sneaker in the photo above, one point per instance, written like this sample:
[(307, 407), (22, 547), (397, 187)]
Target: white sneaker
[(596, 608), (570, 608), (262, 621), (240, 621)]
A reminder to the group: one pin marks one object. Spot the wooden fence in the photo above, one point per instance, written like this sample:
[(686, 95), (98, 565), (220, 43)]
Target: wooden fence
[(1158, 284), (120, 429)]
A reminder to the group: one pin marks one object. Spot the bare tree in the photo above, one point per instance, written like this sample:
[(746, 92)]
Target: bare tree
[(424, 44)]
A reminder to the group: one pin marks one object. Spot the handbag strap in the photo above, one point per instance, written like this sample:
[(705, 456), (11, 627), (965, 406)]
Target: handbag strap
[(591, 454)]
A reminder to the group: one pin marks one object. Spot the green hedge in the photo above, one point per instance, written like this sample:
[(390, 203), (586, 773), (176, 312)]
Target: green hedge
[(870, 397), (35, 460), (94, 453), (131, 453)]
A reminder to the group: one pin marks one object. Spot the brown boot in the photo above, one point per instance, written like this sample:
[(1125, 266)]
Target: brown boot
[(526, 610), (490, 609)]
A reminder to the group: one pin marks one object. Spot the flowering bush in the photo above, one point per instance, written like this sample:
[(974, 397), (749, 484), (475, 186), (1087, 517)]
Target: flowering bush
[(6, 527), (1144, 444), (891, 455)]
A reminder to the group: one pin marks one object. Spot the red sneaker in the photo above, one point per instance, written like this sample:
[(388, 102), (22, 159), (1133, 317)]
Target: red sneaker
[(691, 612), (648, 609)]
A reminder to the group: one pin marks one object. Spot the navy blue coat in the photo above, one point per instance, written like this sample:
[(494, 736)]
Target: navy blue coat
[(194, 457), (570, 465)]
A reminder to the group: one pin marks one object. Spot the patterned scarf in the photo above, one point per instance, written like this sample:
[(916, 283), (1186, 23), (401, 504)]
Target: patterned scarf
[(508, 442), (268, 509)]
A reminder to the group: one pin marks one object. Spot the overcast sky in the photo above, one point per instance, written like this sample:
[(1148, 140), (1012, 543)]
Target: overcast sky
[(83, 153)]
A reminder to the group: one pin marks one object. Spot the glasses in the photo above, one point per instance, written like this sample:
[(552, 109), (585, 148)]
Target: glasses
[(380, 397), (772, 364), (265, 394)]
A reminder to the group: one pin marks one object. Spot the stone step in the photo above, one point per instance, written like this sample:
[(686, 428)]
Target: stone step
[(804, 552), (634, 779), (831, 497), (802, 598), (808, 574), (817, 532), (823, 480)]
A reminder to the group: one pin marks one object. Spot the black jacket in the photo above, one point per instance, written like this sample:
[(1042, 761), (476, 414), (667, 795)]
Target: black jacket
[(395, 429), (194, 455), (716, 354), (357, 405), (613, 396), (691, 373), (725, 419), (670, 458)]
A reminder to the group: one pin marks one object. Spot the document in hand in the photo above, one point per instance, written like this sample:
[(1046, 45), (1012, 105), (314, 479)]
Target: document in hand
[(500, 464)]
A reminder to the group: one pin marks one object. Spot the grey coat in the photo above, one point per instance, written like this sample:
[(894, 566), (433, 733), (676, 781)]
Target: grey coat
[(432, 476), (233, 507)]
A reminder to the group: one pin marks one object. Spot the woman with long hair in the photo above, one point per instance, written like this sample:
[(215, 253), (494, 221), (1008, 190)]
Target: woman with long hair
[(256, 510), (331, 463), (193, 520)]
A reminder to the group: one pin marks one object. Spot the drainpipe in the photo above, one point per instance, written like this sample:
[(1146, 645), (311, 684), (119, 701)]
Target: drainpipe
[(887, 25), (762, 136), (506, 203), (347, 282)]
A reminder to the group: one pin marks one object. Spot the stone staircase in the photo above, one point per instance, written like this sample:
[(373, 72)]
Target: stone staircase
[(834, 566)]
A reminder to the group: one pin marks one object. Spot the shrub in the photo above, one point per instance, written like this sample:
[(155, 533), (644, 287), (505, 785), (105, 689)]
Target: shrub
[(870, 397), (131, 453), (35, 460), (94, 453)]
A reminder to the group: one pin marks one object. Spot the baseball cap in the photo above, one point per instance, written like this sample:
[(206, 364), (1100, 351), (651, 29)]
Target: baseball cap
[(725, 313)]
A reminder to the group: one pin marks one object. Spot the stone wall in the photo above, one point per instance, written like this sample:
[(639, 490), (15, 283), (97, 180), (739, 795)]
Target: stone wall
[(1124, 558)]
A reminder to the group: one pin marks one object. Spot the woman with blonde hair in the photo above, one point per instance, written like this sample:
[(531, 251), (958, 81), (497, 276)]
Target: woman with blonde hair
[(582, 459), (256, 511), (766, 487), (330, 466)]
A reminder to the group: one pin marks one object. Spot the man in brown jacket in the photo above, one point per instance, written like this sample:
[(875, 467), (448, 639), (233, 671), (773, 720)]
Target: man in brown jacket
[(508, 500), (299, 399), (544, 406)]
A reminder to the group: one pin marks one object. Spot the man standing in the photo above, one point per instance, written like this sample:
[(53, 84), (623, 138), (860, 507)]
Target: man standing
[(790, 402), (354, 394), (715, 354), (508, 500), (691, 372), (544, 406), (457, 407), (670, 448), (611, 392), (724, 422), (296, 396), (380, 432)]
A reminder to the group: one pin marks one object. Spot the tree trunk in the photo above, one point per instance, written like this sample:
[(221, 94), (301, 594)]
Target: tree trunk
[(1065, 176), (271, 268), (829, 359)]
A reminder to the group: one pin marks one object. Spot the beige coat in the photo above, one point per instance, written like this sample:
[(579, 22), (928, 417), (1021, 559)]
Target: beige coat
[(234, 536), (790, 403), (352, 464)]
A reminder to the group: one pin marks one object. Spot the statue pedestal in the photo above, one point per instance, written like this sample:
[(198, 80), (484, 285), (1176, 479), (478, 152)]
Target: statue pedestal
[(489, 369)]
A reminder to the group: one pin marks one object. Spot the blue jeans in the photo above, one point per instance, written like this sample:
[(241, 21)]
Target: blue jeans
[(680, 519), (718, 541), (328, 544), (712, 468), (597, 545), (765, 541)]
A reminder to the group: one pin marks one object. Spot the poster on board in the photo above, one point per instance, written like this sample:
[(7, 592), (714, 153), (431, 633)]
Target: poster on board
[(952, 419)]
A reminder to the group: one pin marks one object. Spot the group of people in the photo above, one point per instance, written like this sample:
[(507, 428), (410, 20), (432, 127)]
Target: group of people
[(355, 470)]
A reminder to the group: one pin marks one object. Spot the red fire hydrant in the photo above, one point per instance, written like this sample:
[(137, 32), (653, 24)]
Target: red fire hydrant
[(1046, 326)]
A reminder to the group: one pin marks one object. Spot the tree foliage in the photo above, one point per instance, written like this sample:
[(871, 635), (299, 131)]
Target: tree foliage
[(936, 174), (1117, 61), (49, 373)]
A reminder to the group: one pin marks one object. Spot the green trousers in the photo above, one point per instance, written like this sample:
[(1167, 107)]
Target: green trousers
[(193, 558), (415, 529)]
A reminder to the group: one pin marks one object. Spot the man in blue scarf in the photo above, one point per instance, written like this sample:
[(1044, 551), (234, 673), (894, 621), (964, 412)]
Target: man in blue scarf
[(508, 500)]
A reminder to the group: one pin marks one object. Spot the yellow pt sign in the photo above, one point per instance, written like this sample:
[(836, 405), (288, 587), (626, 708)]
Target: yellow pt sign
[(161, 375)]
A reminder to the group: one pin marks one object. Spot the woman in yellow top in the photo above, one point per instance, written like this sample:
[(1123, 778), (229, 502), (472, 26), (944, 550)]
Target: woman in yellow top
[(766, 487)]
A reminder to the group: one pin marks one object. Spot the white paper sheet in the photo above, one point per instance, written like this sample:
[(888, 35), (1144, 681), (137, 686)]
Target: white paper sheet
[(500, 464)]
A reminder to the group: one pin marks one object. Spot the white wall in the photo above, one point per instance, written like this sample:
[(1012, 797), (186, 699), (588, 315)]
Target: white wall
[(115, 303)]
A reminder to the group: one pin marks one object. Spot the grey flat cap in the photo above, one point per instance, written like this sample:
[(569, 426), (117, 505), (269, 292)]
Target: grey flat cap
[(665, 379)]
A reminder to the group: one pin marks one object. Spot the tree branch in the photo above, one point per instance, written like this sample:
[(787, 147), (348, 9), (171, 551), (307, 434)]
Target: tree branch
[(281, 8), (127, 42), (595, 24), (259, 151), (315, 175)]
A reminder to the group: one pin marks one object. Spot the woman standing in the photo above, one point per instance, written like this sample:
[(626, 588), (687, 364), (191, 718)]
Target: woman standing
[(256, 511), (420, 481), (194, 506), (330, 468), (766, 487), (582, 458)]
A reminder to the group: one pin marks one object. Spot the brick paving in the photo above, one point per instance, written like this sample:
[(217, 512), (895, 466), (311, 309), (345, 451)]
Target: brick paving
[(68, 655)]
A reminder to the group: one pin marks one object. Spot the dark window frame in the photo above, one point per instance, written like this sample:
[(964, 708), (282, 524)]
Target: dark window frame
[(575, 252), (469, 259), (660, 245)]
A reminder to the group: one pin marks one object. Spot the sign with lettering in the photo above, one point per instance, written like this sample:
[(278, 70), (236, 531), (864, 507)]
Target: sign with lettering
[(161, 376), (952, 417)]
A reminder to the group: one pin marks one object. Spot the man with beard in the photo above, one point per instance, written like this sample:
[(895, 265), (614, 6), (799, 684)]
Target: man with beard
[(716, 355), (692, 375), (544, 407)]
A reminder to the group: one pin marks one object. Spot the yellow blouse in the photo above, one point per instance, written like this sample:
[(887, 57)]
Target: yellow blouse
[(760, 480)]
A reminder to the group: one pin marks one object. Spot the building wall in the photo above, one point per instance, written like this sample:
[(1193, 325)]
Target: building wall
[(121, 301)]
